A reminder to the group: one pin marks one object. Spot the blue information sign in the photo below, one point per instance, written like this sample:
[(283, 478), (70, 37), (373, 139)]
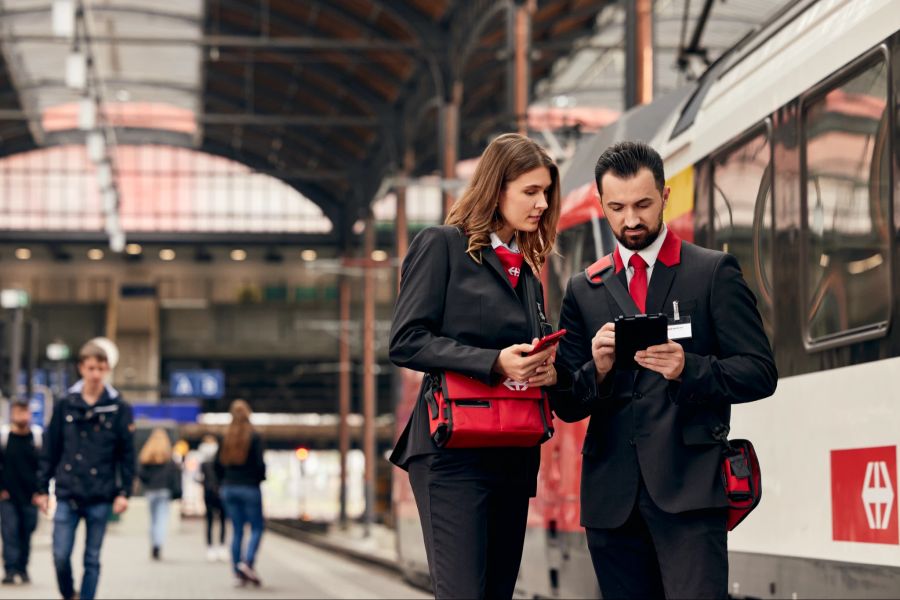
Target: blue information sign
[(196, 383), (36, 404), (180, 412)]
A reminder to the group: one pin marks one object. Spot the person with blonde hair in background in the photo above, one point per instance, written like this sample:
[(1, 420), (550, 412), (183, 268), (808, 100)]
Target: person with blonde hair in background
[(161, 480), (240, 469)]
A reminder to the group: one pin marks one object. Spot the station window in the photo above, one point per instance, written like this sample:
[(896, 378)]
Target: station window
[(742, 214), (847, 206), (161, 188)]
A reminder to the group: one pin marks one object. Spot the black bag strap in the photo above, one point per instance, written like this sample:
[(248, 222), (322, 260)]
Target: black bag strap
[(621, 296), (540, 325)]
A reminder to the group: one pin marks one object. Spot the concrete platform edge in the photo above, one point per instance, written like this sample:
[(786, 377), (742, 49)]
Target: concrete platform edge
[(322, 541)]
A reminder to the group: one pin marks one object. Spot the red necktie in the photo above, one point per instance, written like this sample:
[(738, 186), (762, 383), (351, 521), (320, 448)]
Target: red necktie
[(512, 263), (638, 286)]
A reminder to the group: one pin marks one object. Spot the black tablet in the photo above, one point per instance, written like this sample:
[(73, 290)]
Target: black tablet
[(638, 333)]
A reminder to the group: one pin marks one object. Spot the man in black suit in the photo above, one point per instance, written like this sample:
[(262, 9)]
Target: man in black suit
[(652, 500)]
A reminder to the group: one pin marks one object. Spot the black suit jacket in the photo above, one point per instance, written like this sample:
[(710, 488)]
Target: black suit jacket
[(455, 314), (641, 424)]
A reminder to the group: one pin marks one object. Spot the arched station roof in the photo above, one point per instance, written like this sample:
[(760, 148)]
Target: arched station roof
[(324, 94)]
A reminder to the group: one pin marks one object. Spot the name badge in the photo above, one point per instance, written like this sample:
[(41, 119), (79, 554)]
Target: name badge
[(680, 329)]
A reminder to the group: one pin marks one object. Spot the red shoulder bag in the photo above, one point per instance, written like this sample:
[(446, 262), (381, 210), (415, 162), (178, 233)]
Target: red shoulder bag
[(741, 477), (465, 413)]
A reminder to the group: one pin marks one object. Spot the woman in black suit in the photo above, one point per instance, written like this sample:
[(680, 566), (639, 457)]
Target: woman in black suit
[(462, 308)]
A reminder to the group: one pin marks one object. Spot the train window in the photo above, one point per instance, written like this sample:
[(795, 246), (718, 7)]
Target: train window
[(846, 213), (742, 214), (575, 251)]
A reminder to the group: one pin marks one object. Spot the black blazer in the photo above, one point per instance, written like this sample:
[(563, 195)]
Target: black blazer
[(251, 473), (641, 424), (455, 314)]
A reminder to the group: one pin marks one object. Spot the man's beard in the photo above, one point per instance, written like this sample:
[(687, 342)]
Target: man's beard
[(642, 242)]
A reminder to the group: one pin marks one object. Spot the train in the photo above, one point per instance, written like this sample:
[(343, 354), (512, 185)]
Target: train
[(786, 154)]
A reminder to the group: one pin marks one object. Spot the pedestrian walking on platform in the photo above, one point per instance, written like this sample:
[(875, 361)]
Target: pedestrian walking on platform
[(653, 502), (212, 499), (470, 302), (89, 451), (20, 442), (160, 478), (240, 469)]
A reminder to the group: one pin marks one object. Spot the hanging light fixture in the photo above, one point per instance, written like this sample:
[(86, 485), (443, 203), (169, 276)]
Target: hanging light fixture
[(110, 200), (87, 113), (76, 70), (96, 146), (64, 18), (104, 175), (112, 223), (117, 241)]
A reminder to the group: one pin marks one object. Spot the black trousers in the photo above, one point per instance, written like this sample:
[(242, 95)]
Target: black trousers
[(213, 508), (474, 526), (656, 554)]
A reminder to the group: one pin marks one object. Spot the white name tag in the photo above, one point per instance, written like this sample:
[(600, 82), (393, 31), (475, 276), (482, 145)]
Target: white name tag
[(680, 330)]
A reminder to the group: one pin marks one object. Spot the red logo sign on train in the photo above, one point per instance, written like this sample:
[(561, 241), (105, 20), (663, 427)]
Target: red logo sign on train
[(864, 495)]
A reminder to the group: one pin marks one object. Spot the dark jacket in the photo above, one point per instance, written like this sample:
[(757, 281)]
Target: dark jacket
[(18, 467), (641, 424), (209, 478), (89, 450), (455, 314), (166, 476), (252, 472)]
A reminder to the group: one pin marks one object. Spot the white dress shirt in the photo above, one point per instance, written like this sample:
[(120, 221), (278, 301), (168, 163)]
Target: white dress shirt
[(496, 241)]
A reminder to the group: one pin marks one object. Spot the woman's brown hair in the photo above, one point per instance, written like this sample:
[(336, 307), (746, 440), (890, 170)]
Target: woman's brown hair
[(236, 443), (157, 450), (477, 212)]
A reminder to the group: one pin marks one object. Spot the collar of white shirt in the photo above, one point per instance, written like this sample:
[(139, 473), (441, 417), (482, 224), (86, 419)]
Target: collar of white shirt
[(512, 247), (649, 254)]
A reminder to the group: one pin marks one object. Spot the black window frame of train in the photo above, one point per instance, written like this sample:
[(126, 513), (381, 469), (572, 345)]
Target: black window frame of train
[(847, 73), (715, 159)]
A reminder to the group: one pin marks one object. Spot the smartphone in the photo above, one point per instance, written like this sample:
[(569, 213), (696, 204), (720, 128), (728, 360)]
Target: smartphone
[(548, 340)]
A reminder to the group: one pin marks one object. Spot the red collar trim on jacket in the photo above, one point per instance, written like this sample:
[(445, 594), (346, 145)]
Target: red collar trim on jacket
[(594, 271), (669, 255)]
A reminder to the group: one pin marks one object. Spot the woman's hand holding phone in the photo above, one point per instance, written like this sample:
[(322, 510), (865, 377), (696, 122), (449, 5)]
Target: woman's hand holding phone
[(531, 363), (519, 362)]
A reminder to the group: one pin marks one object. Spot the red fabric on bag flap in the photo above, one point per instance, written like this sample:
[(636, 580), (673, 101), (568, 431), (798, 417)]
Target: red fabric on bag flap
[(460, 387)]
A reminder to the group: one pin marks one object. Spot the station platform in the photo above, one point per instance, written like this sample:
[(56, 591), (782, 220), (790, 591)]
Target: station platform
[(289, 568)]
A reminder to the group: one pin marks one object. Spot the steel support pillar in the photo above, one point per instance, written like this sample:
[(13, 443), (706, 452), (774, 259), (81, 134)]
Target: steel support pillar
[(449, 127), (402, 223), (369, 371), (31, 356), (520, 31), (344, 389), (638, 52), (16, 347)]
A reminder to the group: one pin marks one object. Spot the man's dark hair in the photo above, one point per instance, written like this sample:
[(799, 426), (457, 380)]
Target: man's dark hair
[(625, 159)]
